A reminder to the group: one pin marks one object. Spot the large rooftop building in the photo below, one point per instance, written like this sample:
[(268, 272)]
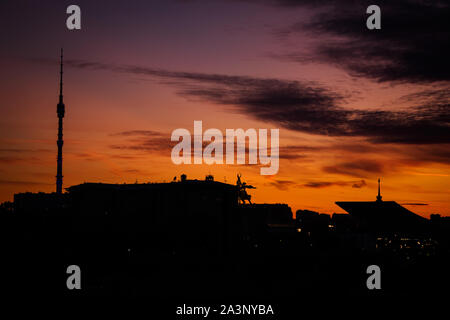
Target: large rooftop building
[(382, 215)]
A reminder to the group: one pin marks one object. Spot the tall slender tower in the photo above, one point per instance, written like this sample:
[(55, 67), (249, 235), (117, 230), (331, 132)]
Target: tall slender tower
[(60, 110), (379, 191)]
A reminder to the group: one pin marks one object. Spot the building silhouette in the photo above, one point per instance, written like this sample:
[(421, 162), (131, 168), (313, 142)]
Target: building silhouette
[(198, 229), (384, 216)]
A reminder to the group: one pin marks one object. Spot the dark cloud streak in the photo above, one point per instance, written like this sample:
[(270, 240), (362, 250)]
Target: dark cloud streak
[(303, 106), (411, 47), (325, 184)]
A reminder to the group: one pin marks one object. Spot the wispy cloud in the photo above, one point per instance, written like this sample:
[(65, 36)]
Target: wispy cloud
[(302, 106), (411, 47), (360, 168), (414, 204), (23, 183), (325, 184), (281, 184)]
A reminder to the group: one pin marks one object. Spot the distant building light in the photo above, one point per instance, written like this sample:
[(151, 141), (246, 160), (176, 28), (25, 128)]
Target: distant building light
[(299, 230)]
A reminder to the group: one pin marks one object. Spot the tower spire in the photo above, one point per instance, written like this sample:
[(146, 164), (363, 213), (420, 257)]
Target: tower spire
[(60, 110), (379, 191), (61, 78)]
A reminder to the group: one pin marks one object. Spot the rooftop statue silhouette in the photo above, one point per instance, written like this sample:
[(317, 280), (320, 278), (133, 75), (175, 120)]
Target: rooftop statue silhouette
[(242, 192)]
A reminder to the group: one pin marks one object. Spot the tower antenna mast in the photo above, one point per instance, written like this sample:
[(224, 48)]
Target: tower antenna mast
[(60, 110)]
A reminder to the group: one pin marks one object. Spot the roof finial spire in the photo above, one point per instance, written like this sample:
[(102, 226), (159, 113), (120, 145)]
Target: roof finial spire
[(379, 191)]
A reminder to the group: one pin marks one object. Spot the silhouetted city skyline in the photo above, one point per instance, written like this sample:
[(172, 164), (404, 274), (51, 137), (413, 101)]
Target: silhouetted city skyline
[(136, 73), (259, 153)]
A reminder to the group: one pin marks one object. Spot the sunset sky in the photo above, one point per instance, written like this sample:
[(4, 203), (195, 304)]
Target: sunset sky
[(351, 104)]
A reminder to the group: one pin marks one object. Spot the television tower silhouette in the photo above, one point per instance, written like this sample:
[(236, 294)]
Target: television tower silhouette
[(60, 110)]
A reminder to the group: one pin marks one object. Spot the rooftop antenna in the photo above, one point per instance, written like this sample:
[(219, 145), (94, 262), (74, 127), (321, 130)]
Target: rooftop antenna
[(379, 193)]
